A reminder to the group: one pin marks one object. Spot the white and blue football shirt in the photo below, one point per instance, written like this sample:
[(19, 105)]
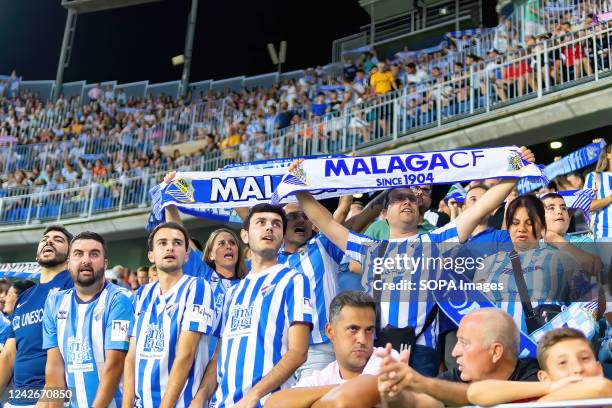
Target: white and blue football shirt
[(603, 217), (257, 315), (5, 330), (26, 329), (319, 259), (159, 319), (195, 266), (551, 276), (407, 306), (83, 331)]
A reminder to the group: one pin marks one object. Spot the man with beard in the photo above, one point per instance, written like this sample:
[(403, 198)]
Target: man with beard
[(170, 333), (85, 330), (23, 358)]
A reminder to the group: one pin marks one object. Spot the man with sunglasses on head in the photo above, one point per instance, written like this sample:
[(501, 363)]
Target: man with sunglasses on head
[(406, 308), (429, 219)]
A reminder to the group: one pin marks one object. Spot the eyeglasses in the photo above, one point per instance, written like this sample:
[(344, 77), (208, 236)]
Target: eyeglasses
[(421, 190), (292, 216), (402, 197)]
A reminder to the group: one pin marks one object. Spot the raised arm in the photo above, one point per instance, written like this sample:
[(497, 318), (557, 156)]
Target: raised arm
[(344, 207), (470, 218), (297, 351), (360, 221), (322, 218)]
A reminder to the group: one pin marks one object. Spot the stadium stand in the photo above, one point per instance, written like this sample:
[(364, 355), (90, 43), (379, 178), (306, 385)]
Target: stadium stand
[(80, 156), (102, 149)]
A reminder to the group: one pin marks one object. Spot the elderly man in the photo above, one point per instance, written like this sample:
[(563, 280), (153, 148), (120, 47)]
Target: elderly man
[(487, 348)]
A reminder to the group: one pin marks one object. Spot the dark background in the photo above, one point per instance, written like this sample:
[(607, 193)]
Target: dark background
[(137, 43)]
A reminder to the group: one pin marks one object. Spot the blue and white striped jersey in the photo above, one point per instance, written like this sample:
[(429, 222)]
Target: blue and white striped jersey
[(195, 266), (159, 319), (257, 315), (5, 329), (319, 259), (406, 306), (603, 217), (551, 277), (83, 331)]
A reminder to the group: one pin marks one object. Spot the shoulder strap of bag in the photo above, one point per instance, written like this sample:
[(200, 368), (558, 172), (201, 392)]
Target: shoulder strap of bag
[(519, 278), (431, 316)]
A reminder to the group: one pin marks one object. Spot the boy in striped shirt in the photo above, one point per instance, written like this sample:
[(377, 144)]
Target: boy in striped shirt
[(85, 331), (171, 329), (267, 318)]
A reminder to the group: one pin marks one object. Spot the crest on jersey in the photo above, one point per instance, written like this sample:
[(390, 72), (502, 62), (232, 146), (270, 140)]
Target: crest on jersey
[(181, 190), (514, 161), (267, 289)]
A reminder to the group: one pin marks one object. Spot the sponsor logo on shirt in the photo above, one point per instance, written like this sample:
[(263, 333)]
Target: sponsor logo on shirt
[(119, 331), (200, 314), (154, 342), (79, 356), (240, 320), (307, 306), (27, 319), (62, 315)]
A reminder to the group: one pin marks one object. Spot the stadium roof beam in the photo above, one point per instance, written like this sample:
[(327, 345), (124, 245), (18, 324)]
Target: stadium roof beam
[(76, 7), (91, 6)]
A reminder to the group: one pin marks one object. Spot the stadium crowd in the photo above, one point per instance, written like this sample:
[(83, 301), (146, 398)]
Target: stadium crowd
[(55, 145), (270, 326), (286, 313)]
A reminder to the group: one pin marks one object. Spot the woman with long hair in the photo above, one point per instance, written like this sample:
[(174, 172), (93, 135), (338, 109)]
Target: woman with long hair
[(601, 182), (552, 277)]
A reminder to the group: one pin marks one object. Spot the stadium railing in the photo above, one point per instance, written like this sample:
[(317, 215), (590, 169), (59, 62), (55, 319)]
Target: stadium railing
[(512, 81)]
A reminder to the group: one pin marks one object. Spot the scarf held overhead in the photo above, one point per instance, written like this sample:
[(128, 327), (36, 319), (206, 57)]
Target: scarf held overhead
[(401, 170)]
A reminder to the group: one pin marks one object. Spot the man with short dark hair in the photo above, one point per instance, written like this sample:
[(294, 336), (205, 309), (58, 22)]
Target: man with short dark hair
[(267, 318), (85, 330), (351, 380), (169, 335), (23, 358)]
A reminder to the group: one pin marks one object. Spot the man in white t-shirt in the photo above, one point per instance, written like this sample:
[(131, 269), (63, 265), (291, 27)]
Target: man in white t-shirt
[(351, 380)]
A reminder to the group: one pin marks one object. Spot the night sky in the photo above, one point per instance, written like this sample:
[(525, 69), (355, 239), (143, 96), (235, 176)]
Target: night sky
[(137, 43)]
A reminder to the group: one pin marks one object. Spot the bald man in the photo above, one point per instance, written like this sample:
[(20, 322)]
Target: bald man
[(487, 348)]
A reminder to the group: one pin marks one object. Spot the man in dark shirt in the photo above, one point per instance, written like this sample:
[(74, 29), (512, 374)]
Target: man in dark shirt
[(487, 348)]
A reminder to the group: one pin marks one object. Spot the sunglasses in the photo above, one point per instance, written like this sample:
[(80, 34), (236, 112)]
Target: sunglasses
[(402, 197)]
